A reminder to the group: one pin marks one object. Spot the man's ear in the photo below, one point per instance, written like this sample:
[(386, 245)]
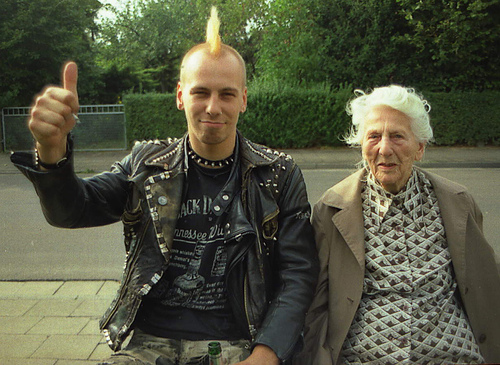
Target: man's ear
[(244, 105), (178, 99)]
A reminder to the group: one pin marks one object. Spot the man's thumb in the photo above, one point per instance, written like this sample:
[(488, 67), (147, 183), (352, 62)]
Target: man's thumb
[(70, 78)]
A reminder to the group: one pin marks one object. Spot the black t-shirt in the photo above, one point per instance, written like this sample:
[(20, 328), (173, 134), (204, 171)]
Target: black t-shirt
[(190, 300)]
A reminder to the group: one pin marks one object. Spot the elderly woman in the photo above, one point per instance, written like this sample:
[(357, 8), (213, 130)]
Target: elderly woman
[(407, 275)]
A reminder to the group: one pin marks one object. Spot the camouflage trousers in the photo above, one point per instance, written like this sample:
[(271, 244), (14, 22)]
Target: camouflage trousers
[(145, 349)]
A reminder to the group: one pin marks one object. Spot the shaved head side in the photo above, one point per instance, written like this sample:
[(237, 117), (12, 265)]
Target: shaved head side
[(213, 47)]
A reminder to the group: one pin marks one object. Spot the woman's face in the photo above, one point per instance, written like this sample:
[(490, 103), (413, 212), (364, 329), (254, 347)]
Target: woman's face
[(390, 147)]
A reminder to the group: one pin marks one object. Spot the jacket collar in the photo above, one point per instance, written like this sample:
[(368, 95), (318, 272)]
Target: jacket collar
[(345, 197), (251, 154)]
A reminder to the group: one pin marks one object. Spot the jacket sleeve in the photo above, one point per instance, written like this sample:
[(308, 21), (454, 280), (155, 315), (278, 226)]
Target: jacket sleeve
[(482, 286), (316, 324), (297, 263), (69, 201)]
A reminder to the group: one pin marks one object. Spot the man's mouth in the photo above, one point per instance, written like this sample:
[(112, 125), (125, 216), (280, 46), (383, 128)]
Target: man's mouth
[(212, 123)]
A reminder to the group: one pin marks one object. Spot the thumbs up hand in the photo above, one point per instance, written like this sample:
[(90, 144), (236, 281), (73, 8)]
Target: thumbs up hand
[(52, 116)]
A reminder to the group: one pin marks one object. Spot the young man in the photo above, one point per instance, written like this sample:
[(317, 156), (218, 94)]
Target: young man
[(219, 244)]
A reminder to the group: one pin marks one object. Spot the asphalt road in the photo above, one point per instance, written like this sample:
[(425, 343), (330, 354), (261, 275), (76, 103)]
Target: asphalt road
[(30, 249)]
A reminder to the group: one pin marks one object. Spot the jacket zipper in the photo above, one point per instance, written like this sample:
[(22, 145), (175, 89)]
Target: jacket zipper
[(136, 255), (251, 327)]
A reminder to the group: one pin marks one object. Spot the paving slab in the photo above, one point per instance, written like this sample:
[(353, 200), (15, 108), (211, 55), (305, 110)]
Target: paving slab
[(69, 347), (15, 307), (19, 346), (108, 289), (54, 307), (92, 307), (16, 325), (53, 322), (59, 326), (78, 289), (32, 362), (101, 352), (91, 328)]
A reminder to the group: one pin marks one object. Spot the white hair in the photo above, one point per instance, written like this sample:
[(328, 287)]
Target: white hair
[(403, 99)]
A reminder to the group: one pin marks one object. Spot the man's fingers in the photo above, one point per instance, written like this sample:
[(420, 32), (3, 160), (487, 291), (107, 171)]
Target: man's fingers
[(70, 81)]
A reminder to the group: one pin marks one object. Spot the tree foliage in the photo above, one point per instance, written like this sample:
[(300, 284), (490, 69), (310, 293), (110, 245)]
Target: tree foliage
[(454, 43), (436, 44), (152, 36), (292, 44), (36, 37)]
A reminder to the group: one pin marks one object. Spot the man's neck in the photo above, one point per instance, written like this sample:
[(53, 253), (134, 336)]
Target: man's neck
[(214, 152)]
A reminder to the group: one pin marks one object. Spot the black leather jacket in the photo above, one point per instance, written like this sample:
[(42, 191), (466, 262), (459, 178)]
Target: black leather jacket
[(272, 261)]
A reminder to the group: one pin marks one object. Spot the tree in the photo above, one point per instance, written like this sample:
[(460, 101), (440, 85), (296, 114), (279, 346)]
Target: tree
[(436, 44), (151, 36), (455, 42), (292, 44), (36, 37)]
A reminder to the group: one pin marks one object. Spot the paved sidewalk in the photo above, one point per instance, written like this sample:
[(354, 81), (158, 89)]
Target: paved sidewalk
[(53, 322)]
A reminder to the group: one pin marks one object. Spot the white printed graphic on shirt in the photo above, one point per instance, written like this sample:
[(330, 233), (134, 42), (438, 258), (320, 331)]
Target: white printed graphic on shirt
[(198, 260)]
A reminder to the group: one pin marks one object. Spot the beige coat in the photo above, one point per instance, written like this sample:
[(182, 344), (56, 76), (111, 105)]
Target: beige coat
[(338, 222)]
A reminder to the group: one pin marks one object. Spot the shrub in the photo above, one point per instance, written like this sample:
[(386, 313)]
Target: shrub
[(465, 118), (294, 116), (153, 116)]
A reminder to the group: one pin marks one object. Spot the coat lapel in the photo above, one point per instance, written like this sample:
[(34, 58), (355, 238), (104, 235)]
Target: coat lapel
[(346, 197)]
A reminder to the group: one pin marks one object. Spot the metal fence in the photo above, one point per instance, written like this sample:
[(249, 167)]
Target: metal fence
[(101, 128)]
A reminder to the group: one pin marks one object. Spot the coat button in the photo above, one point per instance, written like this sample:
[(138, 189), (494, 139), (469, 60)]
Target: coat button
[(482, 338), (162, 200)]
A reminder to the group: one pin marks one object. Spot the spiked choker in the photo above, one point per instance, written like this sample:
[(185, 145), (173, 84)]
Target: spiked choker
[(204, 162)]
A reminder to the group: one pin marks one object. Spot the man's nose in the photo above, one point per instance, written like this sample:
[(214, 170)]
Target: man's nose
[(213, 106)]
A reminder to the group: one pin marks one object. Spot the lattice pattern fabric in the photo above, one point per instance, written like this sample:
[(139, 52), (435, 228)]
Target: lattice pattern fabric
[(410, 311)]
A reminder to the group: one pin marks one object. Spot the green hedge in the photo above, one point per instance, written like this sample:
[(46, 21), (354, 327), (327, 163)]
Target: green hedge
[(153, 116), (465, 118), (300, 118), (296, 118)]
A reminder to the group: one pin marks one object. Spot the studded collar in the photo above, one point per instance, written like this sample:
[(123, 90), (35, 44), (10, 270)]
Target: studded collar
[(251, 154)]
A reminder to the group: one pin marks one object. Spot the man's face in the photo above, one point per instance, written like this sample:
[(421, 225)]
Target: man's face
[(213, 94), (390, 147)]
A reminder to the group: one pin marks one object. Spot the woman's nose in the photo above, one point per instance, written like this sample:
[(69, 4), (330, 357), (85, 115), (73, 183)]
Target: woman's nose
[(385, 147)]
